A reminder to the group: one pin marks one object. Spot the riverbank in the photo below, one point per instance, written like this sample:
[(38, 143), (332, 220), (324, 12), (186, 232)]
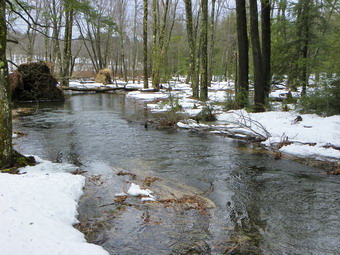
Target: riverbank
[(38, 209)]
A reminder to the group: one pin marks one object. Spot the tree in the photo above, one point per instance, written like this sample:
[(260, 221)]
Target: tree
[(5, 95), (204, 52), (69, 11), (259, 77), (242, 85), (303, 26), (266, 44), (161, 34), (192, 48), (145, 44)]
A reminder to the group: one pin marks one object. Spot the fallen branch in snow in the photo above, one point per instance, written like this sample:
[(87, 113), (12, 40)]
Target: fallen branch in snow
[(98, 89), (247, 122)]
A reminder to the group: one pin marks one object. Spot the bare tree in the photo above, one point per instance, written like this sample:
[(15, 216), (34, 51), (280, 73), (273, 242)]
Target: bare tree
[(5, 95), (145, 43), (192, 47), (204, 52)]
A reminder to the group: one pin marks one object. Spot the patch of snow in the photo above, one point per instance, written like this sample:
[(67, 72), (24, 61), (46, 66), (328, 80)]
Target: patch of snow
[(308, 151), (145, 199), (121, 194), (38, 209), (135, 190)]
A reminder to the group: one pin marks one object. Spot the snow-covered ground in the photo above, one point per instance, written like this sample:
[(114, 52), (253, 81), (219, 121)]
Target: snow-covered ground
[(312, 137), (38, 209)]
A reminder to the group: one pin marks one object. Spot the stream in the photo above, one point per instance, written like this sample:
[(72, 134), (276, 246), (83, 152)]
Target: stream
[(252, 203)]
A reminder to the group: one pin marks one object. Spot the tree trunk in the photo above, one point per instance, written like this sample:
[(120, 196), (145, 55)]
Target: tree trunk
[(304, 38), (192, 48), (204, 51), (242, 84), (212, 43), (5, 96), (266, 45), (155, 70), (135, 41), (259, 78), (67, 44), (145, 45)]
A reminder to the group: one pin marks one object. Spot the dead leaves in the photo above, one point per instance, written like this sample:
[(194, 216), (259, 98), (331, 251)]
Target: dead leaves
[(149, 180), (121, 173), (187, 203)]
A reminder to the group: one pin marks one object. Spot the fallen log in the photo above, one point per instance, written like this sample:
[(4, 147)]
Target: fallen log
[(98, 89)]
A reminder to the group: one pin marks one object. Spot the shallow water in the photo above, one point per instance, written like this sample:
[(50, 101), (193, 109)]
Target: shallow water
[(262, 205)]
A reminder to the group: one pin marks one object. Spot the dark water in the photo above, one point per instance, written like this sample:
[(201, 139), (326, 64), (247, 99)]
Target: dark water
[(263, 206)]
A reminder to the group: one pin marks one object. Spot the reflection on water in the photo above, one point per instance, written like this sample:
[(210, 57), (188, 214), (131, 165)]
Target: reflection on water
[(263, 206)]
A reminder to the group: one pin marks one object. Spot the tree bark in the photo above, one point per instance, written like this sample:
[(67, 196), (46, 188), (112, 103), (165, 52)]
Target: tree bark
[(192, 48), (145, 45), (242, 85), (259, 78), (67, 44), (5, 96), (212, 43), (266, 45), (204, 51)]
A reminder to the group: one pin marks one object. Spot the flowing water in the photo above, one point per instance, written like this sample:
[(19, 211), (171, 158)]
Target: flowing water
[(258, 205)]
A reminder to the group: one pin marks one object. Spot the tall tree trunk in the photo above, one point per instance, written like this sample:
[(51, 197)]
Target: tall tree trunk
[(242, 84), (145, 45), (204, 51), (155, 70), (5, 96), (192, 48), (67, 44), (259, 78), (304, 38), (212, 43), (135, 41), (266, 45)]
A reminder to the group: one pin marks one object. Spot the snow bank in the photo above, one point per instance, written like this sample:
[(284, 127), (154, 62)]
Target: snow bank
[(38, 209), (314, 136)]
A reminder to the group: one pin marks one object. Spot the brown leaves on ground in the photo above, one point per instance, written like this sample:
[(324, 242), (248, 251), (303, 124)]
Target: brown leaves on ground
[(121, 173), (337, 170), (187, 203), (78, 172), (278, 155), (149, 180), (89, 229), (120, 199), (96, 180)]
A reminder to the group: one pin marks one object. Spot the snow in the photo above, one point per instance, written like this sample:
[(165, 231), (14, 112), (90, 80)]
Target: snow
[(135, 190), (38, 209), (314, 136)]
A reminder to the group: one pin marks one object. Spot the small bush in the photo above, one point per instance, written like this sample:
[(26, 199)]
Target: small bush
[(325, 100), (206, 114)]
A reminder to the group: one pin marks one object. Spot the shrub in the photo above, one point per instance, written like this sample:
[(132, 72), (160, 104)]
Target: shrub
[(325, 100), (206, 114)]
